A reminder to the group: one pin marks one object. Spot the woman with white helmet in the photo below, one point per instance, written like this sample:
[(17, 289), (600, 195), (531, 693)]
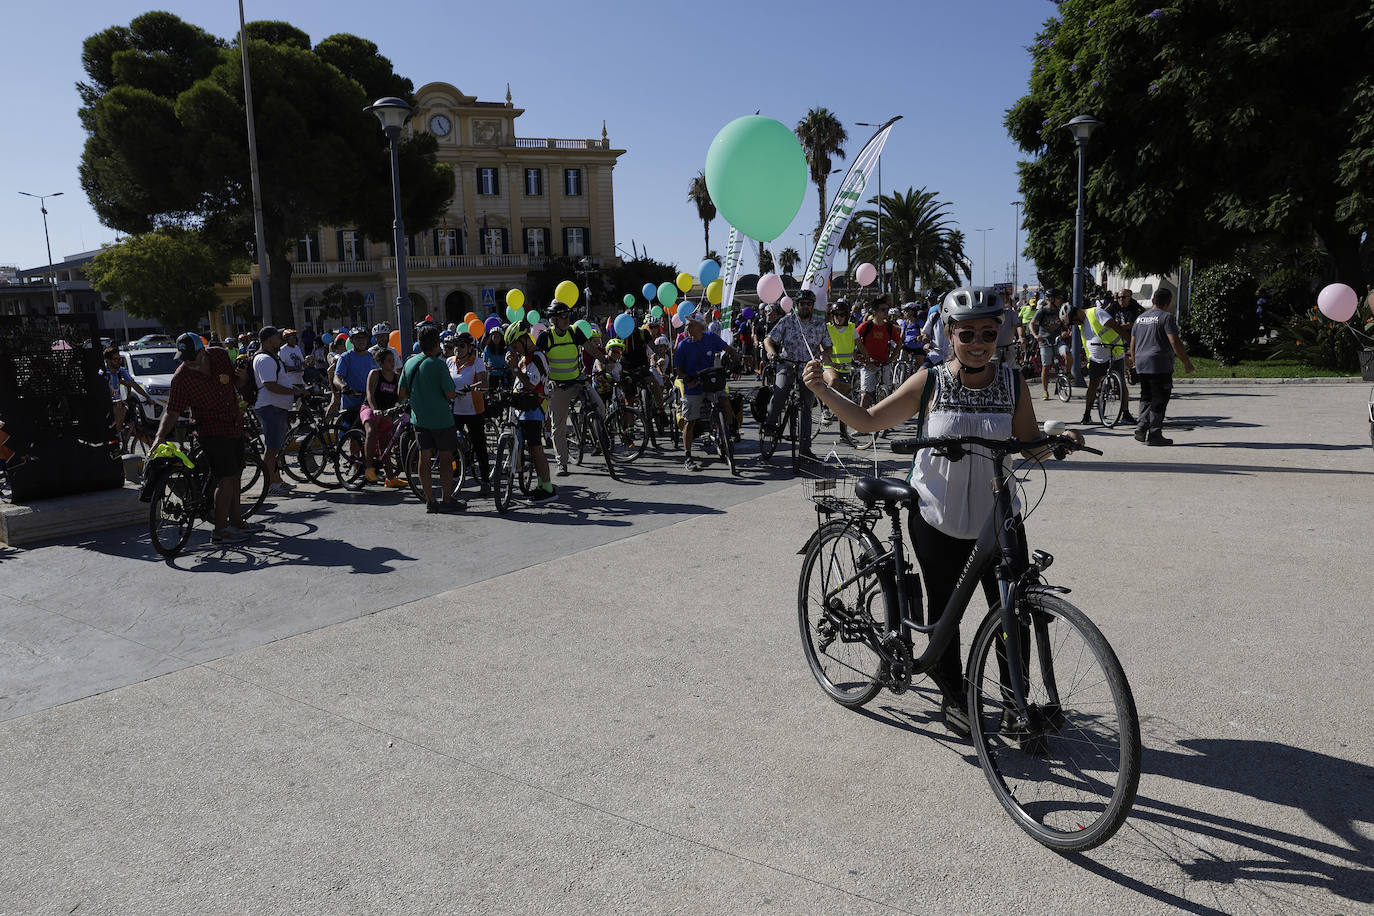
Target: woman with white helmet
[(967, 395)]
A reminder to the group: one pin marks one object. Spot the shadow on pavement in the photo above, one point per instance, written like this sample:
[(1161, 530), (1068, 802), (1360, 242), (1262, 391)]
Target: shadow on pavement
[(1193, 467)]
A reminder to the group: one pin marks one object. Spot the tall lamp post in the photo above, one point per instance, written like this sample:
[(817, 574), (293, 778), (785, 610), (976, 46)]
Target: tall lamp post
[(882, 274), (985, 252), (1016, 247), (394, 113), (1082, 128), (52, 274)]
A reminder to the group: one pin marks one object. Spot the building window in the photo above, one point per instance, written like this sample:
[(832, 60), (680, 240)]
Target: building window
[(534, 243), (446, 242), (493, 241), (574, 242), (350, 245), (308, 248), (572, 182), (534, 182), (487, 182)]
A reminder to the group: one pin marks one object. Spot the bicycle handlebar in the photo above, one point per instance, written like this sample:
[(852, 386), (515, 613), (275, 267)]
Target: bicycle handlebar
[(955, 447)]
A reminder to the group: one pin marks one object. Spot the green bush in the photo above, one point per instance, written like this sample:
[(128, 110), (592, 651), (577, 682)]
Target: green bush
[(1221, 316), (1315, 340)]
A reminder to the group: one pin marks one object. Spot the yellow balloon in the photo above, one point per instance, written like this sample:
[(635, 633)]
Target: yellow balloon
[(566, 292), (684, 281), (714, 290), (515, 299)]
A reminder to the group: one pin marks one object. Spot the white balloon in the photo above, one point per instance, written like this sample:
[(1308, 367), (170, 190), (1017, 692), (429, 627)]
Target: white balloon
[(1054, 427)]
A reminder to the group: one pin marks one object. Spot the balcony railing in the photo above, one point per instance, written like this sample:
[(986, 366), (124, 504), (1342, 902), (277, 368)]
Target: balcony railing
[(413, 262), (559, 143)]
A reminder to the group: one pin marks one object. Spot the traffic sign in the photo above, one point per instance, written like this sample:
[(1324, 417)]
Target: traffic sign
[(370, 300), (489, 296)]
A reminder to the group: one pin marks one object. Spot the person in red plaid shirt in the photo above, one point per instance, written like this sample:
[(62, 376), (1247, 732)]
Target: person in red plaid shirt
[(204, 383)]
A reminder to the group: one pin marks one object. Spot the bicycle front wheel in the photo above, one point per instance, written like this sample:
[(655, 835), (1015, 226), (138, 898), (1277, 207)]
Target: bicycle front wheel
[(314, 460), (597, 427), (503, 473), (1068, 775), (172, 512), (629, 434), (725, 444), (1110, 400), (350, 459), (253, 485), (1062, 388), (840, 621)]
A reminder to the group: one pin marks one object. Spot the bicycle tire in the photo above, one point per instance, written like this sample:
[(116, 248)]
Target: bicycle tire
[(1069, 745), (768, 444), (853, 674), (350, 465), (598, 430), (315, 461), (254, 493), (416, 484), (794, 434), (629, 433), (725, 444), (1063, 389), (1110, 400), (172, 512), (503, 483), (817, 412)]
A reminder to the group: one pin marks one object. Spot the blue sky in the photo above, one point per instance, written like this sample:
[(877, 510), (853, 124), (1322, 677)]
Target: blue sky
[(664, 76)]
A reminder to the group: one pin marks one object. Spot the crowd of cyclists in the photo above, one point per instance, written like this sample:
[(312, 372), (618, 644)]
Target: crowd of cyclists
[(658, 381)]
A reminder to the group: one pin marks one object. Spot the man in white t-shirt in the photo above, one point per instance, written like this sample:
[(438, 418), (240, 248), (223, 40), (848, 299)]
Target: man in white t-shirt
[(292, 358), (276, 397)]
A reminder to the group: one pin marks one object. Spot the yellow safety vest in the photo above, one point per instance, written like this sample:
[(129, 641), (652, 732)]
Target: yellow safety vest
[(565, 360), (841, 345), (1104, 333)]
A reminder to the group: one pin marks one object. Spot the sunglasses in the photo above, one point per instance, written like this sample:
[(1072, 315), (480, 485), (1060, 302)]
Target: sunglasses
[(968, 336)]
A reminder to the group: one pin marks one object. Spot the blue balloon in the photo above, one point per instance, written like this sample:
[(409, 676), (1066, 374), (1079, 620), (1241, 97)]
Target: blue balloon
[(624, 325), (708, 271), (649, 291), (685, 309)]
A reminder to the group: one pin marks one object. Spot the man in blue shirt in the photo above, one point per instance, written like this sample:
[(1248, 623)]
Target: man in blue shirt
[(694, 354), (350, 377)]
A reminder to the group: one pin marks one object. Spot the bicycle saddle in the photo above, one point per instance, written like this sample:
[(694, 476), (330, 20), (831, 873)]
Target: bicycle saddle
[(892, 492)]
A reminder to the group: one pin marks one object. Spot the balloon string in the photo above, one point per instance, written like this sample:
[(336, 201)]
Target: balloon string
[(802, 328)]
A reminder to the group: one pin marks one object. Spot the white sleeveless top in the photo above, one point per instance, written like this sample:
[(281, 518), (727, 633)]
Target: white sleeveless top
[(956, 496)]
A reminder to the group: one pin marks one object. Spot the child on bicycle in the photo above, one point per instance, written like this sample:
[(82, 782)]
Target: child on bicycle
[(529, 369), (968, 396)]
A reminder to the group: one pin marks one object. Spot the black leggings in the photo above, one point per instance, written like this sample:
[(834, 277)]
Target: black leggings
[(942, 559), (472, 427)]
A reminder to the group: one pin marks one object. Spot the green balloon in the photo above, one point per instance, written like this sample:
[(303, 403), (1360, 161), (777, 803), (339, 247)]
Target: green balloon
[(667, 293), (585, 327), (629, 300), (656, 311), (756, 173), (533, 317)]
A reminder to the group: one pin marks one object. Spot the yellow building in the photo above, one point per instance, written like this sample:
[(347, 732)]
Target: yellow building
[(519, 201)]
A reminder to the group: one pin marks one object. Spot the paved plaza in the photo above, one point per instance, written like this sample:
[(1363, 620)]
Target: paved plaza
[(601, 705)]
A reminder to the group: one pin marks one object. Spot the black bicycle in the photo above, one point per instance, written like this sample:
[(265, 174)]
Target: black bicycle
[(789, 421), (1051, 714), (717, 426), (179, 496), (1113, 395)]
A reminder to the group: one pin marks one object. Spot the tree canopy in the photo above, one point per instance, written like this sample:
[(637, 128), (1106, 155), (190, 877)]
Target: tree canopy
[(167, 142), (1226, 123), (168, 276), (918, 239)]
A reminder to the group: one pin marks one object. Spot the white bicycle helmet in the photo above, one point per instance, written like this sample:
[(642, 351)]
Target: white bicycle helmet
[(971, 302), (382, 328), (1065, 311)]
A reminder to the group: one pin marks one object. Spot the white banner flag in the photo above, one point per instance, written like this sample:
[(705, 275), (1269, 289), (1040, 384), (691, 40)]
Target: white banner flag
[(847, 198), (734, 259)]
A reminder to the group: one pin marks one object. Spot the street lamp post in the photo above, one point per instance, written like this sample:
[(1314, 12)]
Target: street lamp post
[(394, 113), (882, 274), (985, 252), (52, 274), (1082, 128), (1016, 247)]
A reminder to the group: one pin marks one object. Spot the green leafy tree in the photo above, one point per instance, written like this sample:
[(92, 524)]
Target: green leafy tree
[(1224, 123), (822, 136), (698, 194), (918, 239), (765, 260), (167, 145), (168, 276), (787, 259), (1221, 315)]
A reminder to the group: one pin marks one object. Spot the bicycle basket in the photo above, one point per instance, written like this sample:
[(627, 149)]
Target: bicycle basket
[(1367, 365), (831, 489), (712, 380)]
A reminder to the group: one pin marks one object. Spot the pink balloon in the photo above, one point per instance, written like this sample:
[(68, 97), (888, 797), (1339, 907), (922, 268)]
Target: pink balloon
[(677, 322), (865, 274), (538, 329), (786, 303), (1338, 302), (770, 287)]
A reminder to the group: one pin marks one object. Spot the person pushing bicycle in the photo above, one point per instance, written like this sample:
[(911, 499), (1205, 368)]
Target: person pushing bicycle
[(964, 396)]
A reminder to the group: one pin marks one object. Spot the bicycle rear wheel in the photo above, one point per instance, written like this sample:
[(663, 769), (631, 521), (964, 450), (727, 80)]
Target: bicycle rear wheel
[(725, 444), (350, 461), (1069, 777), (1110, 400), (1063, 389), (597, 427), (503, 473), (315, 461), (837, 620), (253, 485), (172, 512), (629, 433)]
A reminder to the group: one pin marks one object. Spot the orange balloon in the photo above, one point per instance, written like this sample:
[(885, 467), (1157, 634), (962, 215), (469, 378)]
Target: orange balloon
[(394, 341), (470, 317), (476, 328), (672, 309)]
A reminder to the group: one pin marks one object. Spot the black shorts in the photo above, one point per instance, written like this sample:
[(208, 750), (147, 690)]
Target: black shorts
[(444, 439), (1098, 370), (533, 431), (227, 455)]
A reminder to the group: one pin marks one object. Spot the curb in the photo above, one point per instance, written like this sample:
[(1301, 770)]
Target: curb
[(1340, 380)]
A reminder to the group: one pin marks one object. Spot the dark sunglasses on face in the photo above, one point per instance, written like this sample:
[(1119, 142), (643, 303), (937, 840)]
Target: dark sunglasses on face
[(966, 335)]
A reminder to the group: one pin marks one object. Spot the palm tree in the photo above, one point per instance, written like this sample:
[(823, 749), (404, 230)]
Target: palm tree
[(918, 238), (697, 193), (765, 260), (853, 236), (821, 134), (787, 259)]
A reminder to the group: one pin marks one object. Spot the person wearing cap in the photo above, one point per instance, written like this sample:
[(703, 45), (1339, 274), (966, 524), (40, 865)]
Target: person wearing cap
[(351, 372), (426, 383), (1052, 334), (469, 373), (694, 354), (275, 398), (562, 345), (292, 356), (792, 342), (530, 371), (204, 385)]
